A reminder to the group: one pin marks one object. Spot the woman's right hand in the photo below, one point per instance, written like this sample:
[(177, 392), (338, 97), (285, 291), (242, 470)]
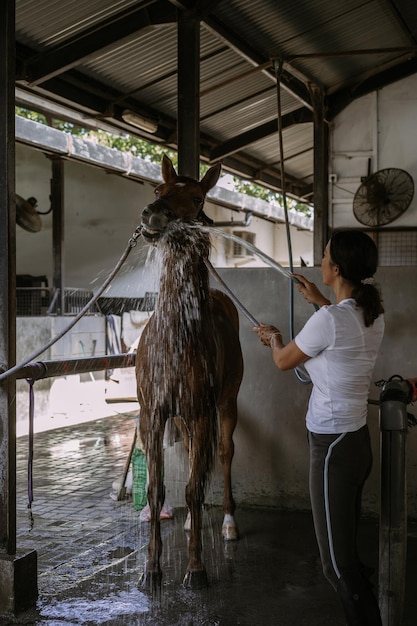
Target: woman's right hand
[(266, 332), (310, 291)]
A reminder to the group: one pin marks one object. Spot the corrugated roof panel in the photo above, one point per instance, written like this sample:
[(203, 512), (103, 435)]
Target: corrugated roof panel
[(145, 60), (246, 115), (148, 65), (235, 36), (363, 27), (244, 98), (45, 23), (285, 30), (298, 151), (226, 79), (152, 55), (297, 139), (274, 26)]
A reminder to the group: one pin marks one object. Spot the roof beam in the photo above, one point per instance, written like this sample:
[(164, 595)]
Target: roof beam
[(95, 41), (244, 166), (227, 148), (287, 81), (92, 98)]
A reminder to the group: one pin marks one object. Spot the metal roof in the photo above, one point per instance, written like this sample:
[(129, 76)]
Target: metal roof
[(99, 57)]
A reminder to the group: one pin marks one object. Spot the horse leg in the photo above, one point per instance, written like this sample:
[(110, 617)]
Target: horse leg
[(152, 576), (186, 440), (201, 459), (228, 419)]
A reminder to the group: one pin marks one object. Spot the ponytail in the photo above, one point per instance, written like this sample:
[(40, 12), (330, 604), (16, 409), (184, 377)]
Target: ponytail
[(368, 298)]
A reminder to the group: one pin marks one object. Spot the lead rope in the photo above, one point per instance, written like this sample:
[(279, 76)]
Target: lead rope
[(131, 244), (41, 371), (31, 382)]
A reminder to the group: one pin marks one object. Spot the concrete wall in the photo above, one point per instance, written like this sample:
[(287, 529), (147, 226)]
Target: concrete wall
[(271, 457)]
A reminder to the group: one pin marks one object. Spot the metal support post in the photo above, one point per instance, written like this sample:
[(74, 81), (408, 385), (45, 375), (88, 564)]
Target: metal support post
[(188, 95), (58, 236), (18, 573), (321, 166), (394, 398)]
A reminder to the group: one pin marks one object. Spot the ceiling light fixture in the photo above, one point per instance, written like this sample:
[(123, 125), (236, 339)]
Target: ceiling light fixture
[(150, 126)]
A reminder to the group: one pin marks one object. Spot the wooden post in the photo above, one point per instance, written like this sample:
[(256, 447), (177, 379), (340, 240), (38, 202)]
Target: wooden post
[(393, 515)]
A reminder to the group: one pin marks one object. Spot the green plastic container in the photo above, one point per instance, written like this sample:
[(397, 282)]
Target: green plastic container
[(139, 475)]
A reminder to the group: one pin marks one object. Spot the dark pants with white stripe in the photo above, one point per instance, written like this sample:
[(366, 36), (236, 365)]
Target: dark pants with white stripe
[(339, 467)]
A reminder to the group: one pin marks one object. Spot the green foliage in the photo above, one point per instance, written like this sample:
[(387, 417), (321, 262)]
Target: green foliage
[(256, 191), (123, 142), (134, 145), (153, 153)]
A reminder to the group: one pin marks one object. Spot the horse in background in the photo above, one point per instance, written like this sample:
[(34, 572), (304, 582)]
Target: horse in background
[(189, 363)]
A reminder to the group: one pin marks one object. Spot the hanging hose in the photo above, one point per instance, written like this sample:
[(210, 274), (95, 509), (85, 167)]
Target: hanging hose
[(299, 371), (131, 244)]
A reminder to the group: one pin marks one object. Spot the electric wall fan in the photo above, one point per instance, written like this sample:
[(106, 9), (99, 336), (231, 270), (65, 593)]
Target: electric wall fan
[(26, 214), (383, 196)]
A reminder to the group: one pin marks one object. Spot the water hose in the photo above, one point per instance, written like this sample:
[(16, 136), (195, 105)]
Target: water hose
[(131, 244), (249, 246), (299, 371), (230, 293)]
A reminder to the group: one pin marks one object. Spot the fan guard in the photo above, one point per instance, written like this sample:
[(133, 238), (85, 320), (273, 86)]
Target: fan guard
[(383, 196)]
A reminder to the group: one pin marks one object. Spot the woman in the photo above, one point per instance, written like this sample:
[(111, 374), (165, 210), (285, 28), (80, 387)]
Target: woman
[(339, 346)]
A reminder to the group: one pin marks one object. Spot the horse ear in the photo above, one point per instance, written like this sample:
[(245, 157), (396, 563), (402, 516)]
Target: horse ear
[(169, 174), (211, 177)]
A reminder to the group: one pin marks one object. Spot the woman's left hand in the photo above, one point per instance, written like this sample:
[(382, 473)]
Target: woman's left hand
[(266, 332)]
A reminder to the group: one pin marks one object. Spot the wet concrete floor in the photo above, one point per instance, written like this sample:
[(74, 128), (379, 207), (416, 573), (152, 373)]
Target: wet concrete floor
[(92, 549)]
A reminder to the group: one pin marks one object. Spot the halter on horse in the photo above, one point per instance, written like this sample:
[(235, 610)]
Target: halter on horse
[(189, 363)]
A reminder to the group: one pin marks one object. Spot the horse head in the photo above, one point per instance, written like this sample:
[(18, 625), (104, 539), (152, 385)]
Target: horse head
[(178, 198)]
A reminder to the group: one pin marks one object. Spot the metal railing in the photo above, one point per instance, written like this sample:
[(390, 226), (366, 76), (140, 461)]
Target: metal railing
[(39, 301), (66, 367)]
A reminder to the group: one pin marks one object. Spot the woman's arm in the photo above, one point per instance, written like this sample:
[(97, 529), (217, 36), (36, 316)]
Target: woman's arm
[(285, 357), (310, 291)]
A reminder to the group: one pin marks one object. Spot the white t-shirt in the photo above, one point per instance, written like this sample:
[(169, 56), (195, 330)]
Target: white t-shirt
[(343, 352)]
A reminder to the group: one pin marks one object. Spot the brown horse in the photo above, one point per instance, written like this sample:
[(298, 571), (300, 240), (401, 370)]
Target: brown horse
[(189, 363)]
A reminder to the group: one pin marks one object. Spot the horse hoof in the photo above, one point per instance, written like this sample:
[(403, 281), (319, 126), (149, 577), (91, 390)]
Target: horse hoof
[(151, 581), (195, 579), (230, 532)]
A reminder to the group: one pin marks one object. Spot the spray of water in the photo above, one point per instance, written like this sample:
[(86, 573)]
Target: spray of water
[(176, 378), (249, 246)]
